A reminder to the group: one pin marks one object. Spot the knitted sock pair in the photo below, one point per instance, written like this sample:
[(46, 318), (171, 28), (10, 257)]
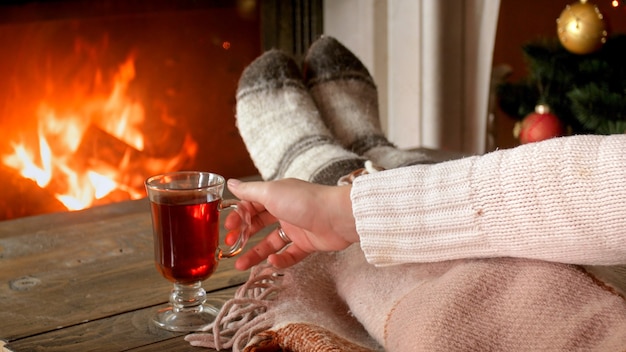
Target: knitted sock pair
[(316, 125)]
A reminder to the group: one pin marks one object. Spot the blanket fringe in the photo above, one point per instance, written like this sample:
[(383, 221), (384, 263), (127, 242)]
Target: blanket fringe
[(243, 316)]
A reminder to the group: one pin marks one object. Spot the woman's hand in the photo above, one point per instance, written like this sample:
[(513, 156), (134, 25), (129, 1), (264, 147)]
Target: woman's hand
[(313, 216)]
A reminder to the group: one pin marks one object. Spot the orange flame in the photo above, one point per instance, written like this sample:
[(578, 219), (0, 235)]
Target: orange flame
[(78, 184), (127, 115)]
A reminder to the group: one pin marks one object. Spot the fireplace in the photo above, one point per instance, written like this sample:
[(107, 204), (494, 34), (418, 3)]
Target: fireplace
[(98, 95)]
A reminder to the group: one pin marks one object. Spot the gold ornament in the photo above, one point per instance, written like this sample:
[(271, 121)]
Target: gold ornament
[(581, 28)]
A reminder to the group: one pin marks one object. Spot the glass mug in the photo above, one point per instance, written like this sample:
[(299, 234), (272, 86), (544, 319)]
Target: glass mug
[(185, 208)]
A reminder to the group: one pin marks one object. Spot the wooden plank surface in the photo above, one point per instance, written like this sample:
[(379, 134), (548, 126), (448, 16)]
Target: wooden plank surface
[(121, 332), (86, 280)]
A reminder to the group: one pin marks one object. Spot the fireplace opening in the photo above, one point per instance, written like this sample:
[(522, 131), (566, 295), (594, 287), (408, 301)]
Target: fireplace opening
[(98, 95)]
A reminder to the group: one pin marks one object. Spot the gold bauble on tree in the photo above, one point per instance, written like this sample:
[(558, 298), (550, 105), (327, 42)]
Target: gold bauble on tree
[(581, 28)]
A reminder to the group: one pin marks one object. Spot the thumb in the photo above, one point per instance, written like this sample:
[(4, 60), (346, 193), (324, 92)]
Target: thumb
[(250, 191)]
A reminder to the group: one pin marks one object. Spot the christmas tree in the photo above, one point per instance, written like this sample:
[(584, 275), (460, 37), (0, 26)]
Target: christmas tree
[(577, 78), (586, 92)]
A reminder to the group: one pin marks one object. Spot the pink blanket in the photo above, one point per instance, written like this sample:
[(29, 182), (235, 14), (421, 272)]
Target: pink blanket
[(339, 302)]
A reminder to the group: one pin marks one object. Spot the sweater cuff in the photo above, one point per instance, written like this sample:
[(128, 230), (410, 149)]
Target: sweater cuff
[(424, 213)]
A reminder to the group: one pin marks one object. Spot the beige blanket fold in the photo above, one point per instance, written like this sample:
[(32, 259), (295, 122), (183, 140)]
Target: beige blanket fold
[(339, 302)]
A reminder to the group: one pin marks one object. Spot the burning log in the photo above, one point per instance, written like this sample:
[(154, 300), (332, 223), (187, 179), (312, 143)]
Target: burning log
[(106, 154), (101, 149), (23, 197)]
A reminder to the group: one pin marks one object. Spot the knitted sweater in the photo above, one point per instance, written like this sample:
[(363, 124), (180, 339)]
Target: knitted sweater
[(561, 200)]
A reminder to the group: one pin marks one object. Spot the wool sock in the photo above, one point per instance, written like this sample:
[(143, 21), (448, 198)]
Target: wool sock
[(346, 95), (281, 127)]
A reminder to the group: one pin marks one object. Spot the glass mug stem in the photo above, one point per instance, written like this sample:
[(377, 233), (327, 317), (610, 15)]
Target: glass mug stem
[(187, 297)]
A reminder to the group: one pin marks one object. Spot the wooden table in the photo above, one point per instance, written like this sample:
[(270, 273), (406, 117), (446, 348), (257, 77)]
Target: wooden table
[(86, 281)]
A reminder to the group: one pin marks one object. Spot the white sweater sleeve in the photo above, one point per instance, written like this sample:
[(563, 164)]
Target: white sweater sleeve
[(562, 200)]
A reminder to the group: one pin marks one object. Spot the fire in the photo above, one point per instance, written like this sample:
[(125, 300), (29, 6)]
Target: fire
[(22, 160), (129, 115), (93, 150)]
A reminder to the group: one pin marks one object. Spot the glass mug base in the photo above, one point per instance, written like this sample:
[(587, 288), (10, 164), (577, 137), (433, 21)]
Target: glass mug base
[(189, 319)]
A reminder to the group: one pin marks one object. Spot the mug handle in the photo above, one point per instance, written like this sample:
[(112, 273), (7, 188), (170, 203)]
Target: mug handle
[(243, 230)]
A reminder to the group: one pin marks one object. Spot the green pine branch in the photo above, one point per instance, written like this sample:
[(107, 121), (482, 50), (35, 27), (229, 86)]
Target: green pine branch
[(587, 92)]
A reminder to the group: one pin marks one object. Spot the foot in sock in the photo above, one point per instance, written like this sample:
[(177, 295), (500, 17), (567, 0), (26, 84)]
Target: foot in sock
[(281, 127), (346, 96)]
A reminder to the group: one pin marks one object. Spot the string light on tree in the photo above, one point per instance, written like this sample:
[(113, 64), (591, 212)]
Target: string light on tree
[(581, 28)]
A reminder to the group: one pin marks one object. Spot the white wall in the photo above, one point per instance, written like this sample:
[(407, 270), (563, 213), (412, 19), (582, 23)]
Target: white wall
[(431, 60)]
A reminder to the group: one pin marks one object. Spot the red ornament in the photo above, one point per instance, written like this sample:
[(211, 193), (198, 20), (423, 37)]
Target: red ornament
[(538, 126)]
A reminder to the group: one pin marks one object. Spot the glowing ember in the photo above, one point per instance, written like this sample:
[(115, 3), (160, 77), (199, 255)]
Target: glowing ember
[(65, 162)]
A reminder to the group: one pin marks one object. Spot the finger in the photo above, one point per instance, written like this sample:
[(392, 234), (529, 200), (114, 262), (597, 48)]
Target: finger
[(232, 236), (272, 243), (288, 257), (257, 222), (232, 221), (253, 191), (255, 211)]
